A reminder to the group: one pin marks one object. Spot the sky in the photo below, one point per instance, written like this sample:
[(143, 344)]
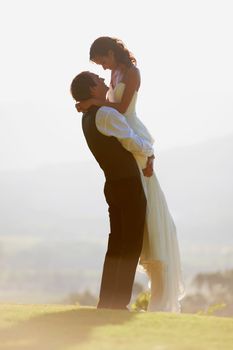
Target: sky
[(184, 52)]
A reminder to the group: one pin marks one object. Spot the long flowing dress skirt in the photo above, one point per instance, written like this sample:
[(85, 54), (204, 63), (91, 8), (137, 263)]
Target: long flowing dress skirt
[(160, 256)]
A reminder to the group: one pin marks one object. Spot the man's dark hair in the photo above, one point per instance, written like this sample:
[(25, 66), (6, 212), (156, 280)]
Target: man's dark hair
[(80, 86)]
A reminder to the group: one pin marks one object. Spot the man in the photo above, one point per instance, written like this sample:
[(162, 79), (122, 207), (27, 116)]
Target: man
[(112, 142)]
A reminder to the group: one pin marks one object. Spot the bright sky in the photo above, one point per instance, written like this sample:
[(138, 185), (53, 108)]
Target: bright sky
[(184, 51)]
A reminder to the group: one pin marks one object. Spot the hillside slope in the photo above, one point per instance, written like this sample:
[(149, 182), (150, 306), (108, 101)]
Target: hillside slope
[(54, 327)]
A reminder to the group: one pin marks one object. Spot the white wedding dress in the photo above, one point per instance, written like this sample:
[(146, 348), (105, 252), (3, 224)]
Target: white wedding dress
[(160, 257)]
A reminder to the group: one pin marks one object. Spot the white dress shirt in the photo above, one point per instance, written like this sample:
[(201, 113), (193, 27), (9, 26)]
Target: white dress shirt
[(112, 123)]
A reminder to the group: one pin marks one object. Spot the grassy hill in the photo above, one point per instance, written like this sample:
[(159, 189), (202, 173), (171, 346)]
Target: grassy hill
[(56, 327)]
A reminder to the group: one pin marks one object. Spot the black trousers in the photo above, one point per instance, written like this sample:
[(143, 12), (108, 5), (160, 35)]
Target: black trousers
[(127, 210)]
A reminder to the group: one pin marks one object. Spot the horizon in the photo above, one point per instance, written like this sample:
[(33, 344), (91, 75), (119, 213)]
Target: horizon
[(90, 159)]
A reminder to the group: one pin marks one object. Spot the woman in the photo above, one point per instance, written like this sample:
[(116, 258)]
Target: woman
[(160, 256)]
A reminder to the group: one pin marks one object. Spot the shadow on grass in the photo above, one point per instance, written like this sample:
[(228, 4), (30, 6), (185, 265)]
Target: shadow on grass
[(56, 331)]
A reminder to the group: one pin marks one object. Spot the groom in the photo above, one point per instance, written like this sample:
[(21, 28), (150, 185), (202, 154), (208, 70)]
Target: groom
[(112, 142)]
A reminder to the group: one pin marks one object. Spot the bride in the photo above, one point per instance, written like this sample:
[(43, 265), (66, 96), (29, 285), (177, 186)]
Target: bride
[(160, 257)]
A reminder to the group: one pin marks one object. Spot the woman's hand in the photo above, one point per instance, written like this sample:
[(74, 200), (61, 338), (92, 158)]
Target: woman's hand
[(148, 170), (83, 106)]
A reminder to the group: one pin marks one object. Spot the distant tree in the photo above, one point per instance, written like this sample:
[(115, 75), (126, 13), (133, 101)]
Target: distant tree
[(214, 279), (213, 294), (193, 303), (85, 298)]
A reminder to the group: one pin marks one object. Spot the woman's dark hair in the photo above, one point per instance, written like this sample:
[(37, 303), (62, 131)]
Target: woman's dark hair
[(80, 86), (102, 45)]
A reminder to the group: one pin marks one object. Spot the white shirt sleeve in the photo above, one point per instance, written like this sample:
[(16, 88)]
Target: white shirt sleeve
[(112, 123)]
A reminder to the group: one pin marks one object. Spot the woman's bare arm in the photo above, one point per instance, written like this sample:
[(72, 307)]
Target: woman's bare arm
[(132, 84)]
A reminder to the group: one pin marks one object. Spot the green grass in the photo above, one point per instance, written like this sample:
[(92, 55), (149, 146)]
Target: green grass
[(59, 327)]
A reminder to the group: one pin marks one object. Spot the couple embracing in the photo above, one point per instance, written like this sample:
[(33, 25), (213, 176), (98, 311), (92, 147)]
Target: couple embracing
[(141, 227)]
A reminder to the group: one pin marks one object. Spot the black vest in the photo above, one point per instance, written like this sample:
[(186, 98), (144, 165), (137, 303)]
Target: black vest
[(116, 162)]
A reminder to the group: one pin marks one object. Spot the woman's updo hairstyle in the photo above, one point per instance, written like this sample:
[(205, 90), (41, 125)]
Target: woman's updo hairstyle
[(103, 44)]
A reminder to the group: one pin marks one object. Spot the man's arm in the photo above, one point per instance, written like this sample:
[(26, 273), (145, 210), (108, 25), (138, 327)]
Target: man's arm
[(111, 123)]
